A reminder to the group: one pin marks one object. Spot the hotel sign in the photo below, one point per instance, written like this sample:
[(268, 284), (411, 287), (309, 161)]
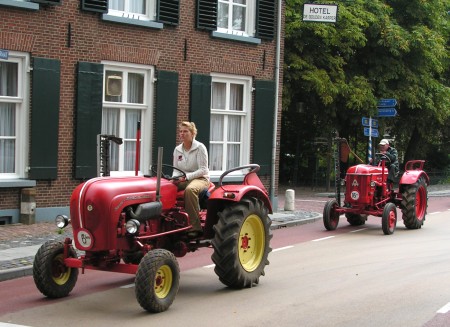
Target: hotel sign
[(319, 13)]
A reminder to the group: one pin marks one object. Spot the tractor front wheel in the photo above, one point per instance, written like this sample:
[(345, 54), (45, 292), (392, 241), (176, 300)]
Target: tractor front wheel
[(414, 204), (242, 243), (157, 280), (51, 276), (389, 219), (330, 215), (356, 219)]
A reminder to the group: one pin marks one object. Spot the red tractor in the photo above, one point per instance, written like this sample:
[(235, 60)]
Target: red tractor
[(368, 193), (138, 225)]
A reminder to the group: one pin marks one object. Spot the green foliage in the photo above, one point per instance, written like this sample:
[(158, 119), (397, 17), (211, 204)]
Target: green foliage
[(377, 49)]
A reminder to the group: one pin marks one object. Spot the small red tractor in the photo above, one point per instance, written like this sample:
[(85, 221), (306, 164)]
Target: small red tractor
[(367, 193), (138, 225)]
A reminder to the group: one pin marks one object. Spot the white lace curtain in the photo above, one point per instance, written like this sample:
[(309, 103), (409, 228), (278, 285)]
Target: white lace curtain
[(8, 87), (225, 133), (111, 124), (237, 10), (134, 6)]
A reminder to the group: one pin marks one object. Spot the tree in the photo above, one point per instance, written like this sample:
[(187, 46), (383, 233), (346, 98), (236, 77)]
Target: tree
[(377, 49)]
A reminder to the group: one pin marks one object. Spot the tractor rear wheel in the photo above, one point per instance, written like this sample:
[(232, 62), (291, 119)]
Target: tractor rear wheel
[(330, 215), (389, 218), (414, 204), (356, 219), (157, 280), (242, 243), (51, 276)]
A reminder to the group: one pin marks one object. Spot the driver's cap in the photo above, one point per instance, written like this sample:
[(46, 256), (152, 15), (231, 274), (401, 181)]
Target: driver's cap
[(384, 142)]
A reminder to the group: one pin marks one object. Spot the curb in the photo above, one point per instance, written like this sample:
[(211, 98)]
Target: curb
[(289, 219), (14, 273)]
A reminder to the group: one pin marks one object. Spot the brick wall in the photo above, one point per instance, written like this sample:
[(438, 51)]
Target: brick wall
[(45, 33)]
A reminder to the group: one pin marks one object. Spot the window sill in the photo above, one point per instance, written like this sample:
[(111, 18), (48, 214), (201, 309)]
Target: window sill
[(20, 4), (130, 21), (17, 183), (239, 38)]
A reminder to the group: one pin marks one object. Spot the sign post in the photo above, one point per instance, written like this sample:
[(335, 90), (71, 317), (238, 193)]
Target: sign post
[(370, 130)]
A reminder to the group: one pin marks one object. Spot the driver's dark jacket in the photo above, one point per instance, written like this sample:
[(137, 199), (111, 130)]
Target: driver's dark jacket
[(392, 154)]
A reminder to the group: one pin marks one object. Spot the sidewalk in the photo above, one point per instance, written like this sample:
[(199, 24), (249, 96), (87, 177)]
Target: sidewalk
[(19, 243)]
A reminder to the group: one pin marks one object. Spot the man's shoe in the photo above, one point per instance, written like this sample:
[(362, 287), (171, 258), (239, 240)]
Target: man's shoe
[(195, 234)]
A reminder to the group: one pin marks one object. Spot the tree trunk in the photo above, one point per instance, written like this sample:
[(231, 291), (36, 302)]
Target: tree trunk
[(413, 149)]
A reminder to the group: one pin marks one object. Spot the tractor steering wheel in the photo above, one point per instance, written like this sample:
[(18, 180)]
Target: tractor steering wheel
[(383, 156), (166, 176)]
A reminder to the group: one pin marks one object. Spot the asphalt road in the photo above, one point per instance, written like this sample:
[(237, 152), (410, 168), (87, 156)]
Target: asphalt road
[(354, 276)]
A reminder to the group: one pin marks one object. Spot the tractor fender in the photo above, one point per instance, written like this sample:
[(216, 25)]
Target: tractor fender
[(412, 176), (235, 193)]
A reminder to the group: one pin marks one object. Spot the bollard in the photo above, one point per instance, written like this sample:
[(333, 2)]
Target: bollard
[(28, 206), (289, 200)]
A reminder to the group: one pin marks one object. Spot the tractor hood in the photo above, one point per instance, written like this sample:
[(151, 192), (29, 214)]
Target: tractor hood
[(96, 205), (365, 170)]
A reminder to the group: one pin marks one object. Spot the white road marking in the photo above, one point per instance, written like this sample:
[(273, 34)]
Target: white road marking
[(209, 266), (283, 248), (444, 309), (127, 286), (322, 239), (358, 230), (434, 213), (5, 324)]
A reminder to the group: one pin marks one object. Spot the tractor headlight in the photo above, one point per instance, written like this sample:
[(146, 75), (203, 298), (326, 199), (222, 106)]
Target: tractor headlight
[(61, 221), (342, 182), (373, 183), (132, 226)]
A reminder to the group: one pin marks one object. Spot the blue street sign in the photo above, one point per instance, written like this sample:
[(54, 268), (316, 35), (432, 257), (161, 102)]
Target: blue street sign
[(387, 112), (365, 122), (367, 132), (383, 103)]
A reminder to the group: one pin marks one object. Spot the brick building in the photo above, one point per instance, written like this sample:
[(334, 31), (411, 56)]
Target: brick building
[(73, 69)]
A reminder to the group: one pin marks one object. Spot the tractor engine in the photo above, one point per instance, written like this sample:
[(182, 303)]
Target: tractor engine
[(363, 185)]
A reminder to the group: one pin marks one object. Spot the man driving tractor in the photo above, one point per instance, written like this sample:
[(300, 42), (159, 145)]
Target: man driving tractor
[(392, 164)]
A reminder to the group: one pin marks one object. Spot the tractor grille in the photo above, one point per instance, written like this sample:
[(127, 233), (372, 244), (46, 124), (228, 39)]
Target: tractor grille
[(358, 190)]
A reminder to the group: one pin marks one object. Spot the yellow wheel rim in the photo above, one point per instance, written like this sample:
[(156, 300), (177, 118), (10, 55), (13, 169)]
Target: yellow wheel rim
[(60, 273), (251, 243), (163, 281)]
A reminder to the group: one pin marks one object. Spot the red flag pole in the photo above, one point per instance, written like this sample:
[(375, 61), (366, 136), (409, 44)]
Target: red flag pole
[(138, 148)]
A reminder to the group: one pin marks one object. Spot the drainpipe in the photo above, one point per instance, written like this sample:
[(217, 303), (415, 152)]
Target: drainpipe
[(275, 120)]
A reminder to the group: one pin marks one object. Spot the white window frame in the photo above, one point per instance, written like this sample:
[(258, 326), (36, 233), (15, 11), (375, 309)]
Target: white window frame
[(150, 14), (250, 28), (246, 113), (22, 114), (146, 114)]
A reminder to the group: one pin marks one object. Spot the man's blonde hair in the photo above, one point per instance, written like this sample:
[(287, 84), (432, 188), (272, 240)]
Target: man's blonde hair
[(190, 126)]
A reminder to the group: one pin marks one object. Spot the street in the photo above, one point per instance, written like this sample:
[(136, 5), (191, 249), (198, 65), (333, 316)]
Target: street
[(354, 276)]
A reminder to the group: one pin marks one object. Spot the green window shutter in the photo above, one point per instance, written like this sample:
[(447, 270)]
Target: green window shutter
[(263, 129), (200, 106), (168, 11), (265, 19), (95, 5), (88, 118), (206, 16), (166, 115), (45, 119)]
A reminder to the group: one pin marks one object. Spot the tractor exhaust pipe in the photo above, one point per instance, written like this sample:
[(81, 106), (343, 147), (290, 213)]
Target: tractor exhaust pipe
[(158, 173)]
